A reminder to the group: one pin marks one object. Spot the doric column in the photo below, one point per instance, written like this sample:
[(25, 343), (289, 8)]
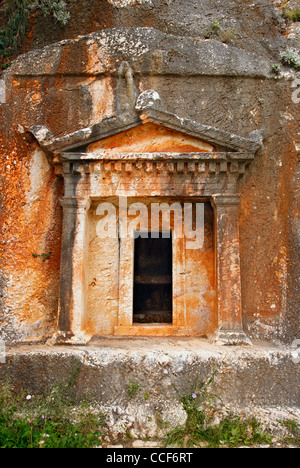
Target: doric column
[(73, 272), (228, 275)]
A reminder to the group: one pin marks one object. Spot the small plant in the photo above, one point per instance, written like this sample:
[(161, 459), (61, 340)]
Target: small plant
[(291, 14), (216, 27), (227, 36), (133, 388), (44, 256), (17, 14), (5, 66), (199, 429), (293, 429), (147, 396), (127, 434), (56, 8), (213, 30), (291, 58), (276, 68), (233, 431), (194, 404), (160, 423), (51, 420)]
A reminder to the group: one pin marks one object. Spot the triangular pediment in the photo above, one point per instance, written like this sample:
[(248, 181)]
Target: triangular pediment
[(148, 129), (150, 138)]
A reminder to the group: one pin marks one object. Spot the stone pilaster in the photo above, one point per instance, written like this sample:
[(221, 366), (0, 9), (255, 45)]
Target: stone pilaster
[(228, 275), (73, 271)]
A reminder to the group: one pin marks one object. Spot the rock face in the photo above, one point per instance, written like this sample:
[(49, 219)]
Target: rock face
[(259, 380), (209, 65), (253, 26)]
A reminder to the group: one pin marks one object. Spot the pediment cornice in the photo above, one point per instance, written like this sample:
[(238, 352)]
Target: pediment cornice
[(148, 109)]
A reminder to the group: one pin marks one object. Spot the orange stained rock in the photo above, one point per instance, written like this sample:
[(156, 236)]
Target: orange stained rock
[(152, 138)]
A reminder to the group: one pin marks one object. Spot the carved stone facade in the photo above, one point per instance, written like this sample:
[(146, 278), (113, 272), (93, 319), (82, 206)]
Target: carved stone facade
[(140, 114), (173, 105), (149, 154)]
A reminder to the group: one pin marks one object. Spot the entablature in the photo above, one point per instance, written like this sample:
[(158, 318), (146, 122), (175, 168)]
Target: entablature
[(113, 139)]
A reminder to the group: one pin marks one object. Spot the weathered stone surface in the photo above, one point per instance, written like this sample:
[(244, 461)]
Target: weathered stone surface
[(154, 52), (70, 88), (254, 26), (246, 379)]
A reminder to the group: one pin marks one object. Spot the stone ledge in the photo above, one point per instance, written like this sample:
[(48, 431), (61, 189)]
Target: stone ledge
[(262, 376), (149, 330), (148, 46)]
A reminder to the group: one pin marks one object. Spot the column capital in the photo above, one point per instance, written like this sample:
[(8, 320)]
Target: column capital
[(74, 203), (227, 199), (68, 202)]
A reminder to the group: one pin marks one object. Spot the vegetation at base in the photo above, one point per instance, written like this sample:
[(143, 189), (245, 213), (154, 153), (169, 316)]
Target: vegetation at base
[(232, 431), (293, 429), (133, 388), (216, 31), (291, 58), (16, 14), (291, 14), (199, 429), (52, 420), (276, 68), (57, 420)]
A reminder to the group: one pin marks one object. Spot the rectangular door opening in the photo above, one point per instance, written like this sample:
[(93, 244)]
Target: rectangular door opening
[(153, 292)]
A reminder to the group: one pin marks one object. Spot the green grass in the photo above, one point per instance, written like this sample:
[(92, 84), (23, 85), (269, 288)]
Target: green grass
[(293, 428), (199, 429), (276, 68), (56, 420), (232, 431), (291, 14), (291, 58), (52, 420), (133, 388)]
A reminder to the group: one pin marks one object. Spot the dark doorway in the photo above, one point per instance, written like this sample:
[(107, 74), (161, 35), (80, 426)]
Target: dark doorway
[(152, 298)]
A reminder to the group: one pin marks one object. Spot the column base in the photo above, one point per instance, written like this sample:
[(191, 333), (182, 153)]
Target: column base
[(69, 338), (230, 338)]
